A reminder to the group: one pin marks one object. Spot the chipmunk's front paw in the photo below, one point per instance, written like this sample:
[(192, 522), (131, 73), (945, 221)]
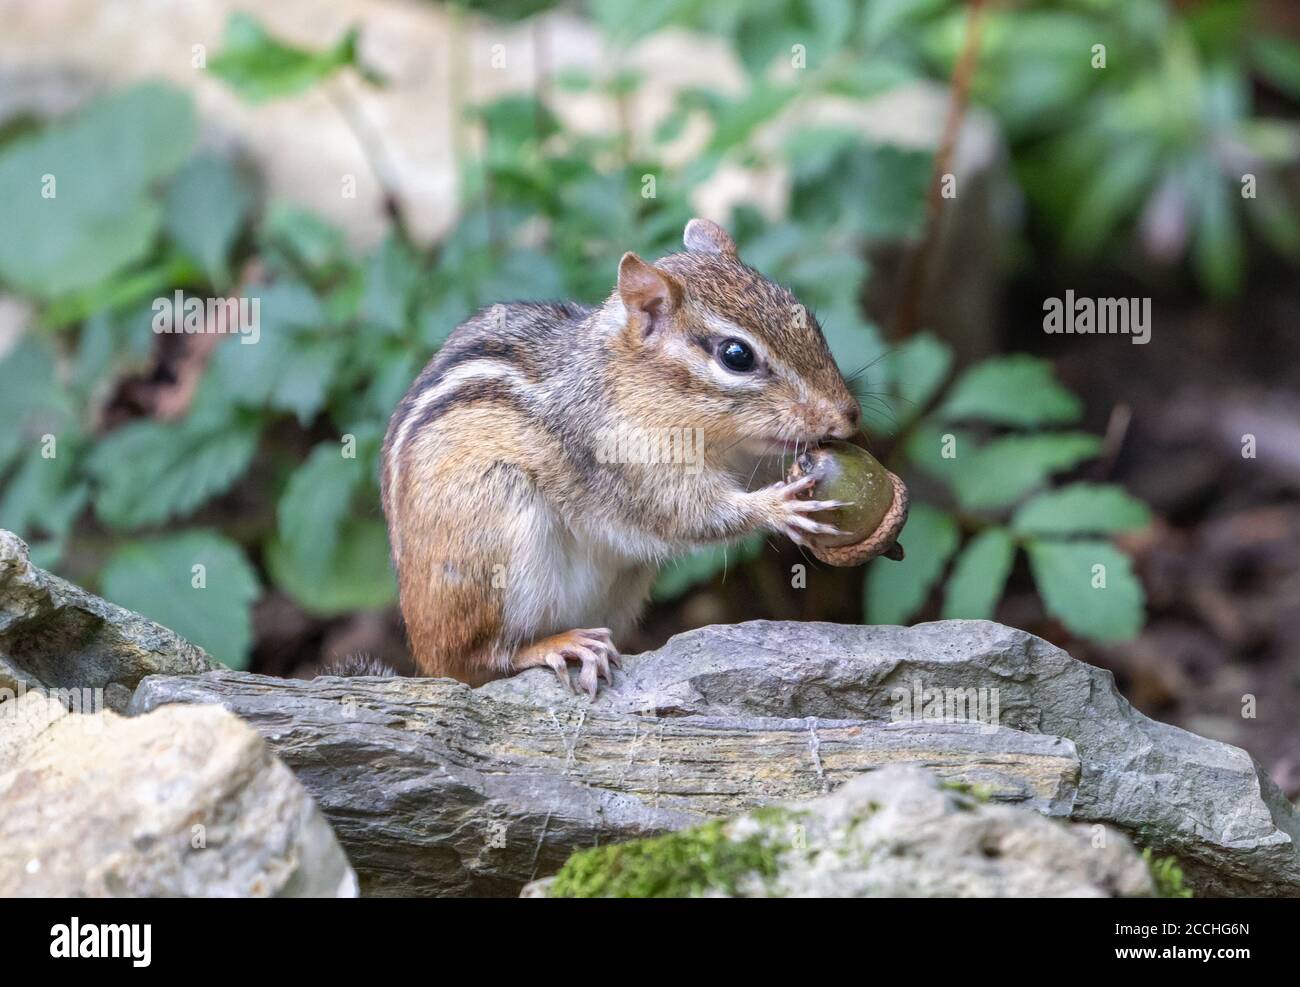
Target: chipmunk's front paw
[(592, 648), (787, 513)]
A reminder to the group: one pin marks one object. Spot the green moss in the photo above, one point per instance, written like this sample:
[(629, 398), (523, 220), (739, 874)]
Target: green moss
[(775, 815), (1167, 875), (679, 865), (979, 792)]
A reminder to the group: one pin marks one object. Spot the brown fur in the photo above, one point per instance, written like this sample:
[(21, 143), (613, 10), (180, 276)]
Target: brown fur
[(492, 476)]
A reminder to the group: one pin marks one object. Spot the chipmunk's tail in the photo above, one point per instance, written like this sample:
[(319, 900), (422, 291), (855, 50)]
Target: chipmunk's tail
[(351, 666)]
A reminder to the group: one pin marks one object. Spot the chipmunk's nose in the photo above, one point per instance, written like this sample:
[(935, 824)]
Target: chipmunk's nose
[(852, 418)]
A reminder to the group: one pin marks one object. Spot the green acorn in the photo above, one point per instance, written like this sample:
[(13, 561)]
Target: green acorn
[(876, 503)]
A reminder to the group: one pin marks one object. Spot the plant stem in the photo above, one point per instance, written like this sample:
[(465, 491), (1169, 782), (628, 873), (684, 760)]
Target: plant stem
[(907, 318), (376, 155)]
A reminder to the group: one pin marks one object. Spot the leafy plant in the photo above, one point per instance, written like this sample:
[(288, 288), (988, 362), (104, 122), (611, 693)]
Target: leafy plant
[(196, 580), (260, 67), (79, 208), (1167, 875), (1180, 151), (991, 443), (1130, 120), (267, 476)]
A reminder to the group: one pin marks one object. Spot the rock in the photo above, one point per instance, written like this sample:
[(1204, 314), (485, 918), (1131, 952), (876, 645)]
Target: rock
[(55, 636), (186, 801), (896, 832), (436, 788), (1207, 803)]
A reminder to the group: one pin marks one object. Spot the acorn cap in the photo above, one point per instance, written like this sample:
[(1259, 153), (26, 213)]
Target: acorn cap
[(882, 541)]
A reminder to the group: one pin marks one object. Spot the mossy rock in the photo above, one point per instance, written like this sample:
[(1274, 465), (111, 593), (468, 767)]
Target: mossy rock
[(698, 861)]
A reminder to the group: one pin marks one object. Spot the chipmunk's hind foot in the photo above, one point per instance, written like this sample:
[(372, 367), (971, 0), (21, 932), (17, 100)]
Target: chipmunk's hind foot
[(593, 648)]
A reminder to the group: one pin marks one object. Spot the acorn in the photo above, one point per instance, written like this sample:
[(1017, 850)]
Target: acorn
[(876, 503)]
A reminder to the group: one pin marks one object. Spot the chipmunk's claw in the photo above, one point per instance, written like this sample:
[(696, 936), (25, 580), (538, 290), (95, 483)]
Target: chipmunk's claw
[(789, 511), (592, 648), (560, 667)]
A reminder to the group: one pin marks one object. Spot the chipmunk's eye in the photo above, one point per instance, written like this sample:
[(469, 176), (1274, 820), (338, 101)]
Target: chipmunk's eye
[(736, 356)]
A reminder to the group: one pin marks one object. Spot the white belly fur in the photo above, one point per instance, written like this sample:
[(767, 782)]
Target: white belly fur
[(559, 580)]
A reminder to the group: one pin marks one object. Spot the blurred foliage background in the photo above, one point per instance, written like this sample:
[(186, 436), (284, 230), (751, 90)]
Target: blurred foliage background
[(259, 462)]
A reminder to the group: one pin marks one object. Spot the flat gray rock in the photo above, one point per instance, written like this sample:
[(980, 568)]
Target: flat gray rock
[(435, 788), (1207, 802)]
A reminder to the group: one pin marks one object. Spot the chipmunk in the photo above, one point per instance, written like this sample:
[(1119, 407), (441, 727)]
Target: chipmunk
[(517, 543)]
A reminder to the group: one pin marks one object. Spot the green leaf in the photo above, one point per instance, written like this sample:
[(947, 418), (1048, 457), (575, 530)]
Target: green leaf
[(874, 189), (1017, 390), (1081, 509), (305, 378), (1278, 60), (436, 320), (895, 591), (701, 567), (892, 17), (1276, 220), (206, 205), (736, 119), (513, 122), (77, 209), (259, 67), (211, 607), (1217, 247), (528, 275), (315, 502), (979, 576), (32, 401), (293, 362), (122, 290), (303, 240), (918, 368), (392, 276), (111, 343), (393, 370), (831, 283), (42, 501), (358, 578), (148, 472), (938, 451), (855, 344), (1103, 604), (1004, 470), (834, 20), (1114, 188)]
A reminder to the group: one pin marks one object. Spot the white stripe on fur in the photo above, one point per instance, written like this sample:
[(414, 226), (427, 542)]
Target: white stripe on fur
[(474, 370)]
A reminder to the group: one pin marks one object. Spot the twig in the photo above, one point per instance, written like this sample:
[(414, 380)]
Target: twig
[(907, 319), (1116, 431), (376, 155), (456, 75), (541, 77)]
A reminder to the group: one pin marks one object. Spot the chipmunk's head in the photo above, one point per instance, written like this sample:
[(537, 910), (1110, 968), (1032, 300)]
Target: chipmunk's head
[(719, 346)]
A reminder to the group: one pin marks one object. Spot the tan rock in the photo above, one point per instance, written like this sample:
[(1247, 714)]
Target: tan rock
[(186, 801)]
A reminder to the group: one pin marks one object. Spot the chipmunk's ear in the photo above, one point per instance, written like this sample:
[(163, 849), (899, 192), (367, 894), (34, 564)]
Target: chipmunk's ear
[(707, 237), (650, 295)]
